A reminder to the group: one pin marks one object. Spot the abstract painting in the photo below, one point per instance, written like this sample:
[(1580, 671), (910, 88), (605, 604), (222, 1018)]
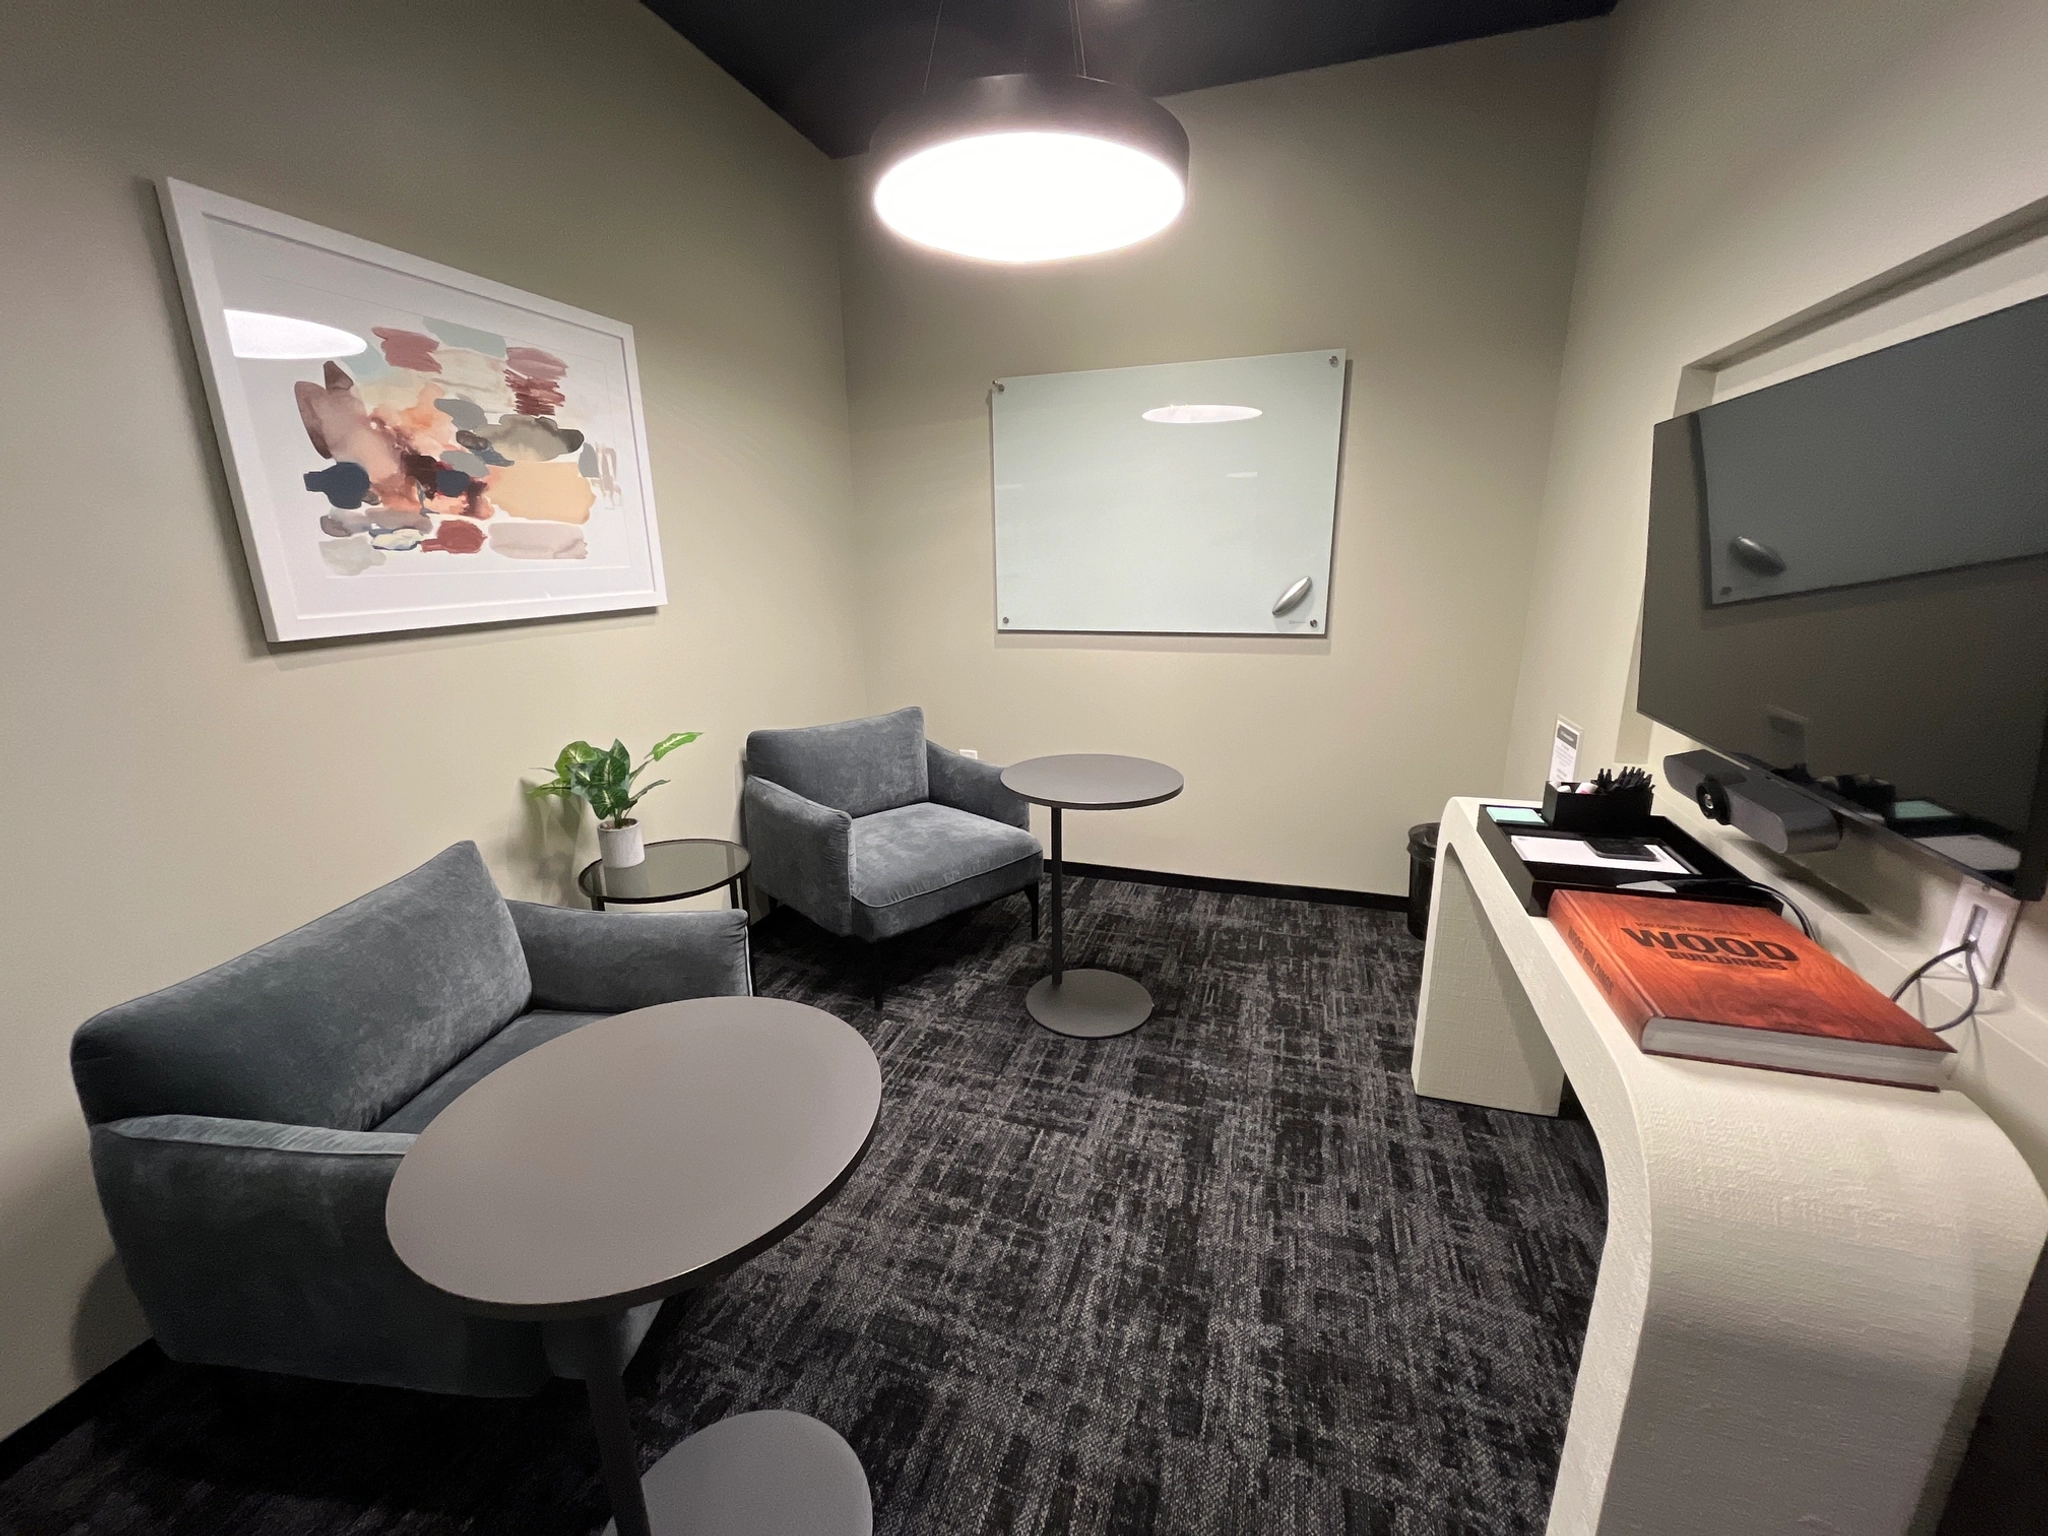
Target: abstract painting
[(410, 446)]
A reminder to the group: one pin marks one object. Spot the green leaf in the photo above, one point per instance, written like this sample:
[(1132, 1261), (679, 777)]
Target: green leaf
[(603, 778), (575, 752), (570, 779), (668, 744), (636, 799), (593, 785)]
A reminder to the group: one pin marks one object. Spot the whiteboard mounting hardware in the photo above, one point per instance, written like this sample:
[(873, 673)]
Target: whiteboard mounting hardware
[(1294, 594)]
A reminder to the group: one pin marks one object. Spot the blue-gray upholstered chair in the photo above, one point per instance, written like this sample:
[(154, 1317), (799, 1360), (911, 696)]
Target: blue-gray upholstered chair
[(871, 830), (246, 1124)]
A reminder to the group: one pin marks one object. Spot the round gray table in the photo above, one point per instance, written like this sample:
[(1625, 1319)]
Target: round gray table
[(639, 1156), (1088, 1004)]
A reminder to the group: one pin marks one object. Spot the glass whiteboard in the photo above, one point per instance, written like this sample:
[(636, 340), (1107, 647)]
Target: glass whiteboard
[(1179, 498)]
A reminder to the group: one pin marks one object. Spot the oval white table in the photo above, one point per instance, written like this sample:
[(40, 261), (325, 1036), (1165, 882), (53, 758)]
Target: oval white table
[(1806, 1283), (1089, 1004), (640, 1156)]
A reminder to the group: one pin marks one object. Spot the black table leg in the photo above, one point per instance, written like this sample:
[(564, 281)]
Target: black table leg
[(714, 1480), (597, 903), (621, 1461), (1059, 880), (591, 1346), (1084, 1004)]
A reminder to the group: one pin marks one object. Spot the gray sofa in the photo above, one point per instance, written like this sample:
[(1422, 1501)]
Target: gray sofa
[(871, 830), (246, 1123)]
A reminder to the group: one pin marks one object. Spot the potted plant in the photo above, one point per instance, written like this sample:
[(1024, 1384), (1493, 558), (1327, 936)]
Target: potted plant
[(606, 780)]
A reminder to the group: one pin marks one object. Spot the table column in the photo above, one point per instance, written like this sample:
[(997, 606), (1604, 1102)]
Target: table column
[(589, 1347)]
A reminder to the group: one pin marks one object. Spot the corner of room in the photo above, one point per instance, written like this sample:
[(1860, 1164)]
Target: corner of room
[(1110, 766)]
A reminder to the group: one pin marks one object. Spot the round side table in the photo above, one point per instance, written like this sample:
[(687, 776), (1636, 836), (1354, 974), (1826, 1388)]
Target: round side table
[(678, 867), (1089, 1004), (640, 1156)]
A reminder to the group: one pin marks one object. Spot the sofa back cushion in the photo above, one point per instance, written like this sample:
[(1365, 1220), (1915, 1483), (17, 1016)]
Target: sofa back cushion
[(856, 766), (335, 1024)]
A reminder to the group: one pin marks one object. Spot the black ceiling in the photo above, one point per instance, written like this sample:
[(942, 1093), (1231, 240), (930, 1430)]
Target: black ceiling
[(835, 68)]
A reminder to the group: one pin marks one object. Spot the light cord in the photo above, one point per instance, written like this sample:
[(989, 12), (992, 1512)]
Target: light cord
[(933, 51)]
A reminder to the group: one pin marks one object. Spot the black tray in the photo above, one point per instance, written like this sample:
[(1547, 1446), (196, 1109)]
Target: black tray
[(1534, 883)]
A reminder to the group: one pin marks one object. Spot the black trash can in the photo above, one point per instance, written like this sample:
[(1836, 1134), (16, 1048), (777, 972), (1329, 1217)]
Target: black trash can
[(1421, 872)]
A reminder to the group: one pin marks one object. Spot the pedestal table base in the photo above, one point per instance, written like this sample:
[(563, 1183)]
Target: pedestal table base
[(1089, 1005)]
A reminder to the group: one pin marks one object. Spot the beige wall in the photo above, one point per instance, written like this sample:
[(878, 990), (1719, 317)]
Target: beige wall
[(1755, 159), (185, 791), (1420, 211), (182, 791)]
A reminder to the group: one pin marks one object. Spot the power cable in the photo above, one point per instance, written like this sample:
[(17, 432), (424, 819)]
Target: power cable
[(1968, 950), (1727, 882)]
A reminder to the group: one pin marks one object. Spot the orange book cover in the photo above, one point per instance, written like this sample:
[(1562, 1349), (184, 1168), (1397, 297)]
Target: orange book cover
[(1716, 982)]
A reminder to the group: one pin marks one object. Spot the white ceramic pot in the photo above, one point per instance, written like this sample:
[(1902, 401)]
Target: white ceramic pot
[(620, 847)]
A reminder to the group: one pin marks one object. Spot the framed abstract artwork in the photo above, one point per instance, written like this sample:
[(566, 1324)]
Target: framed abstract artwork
[(408, 446)]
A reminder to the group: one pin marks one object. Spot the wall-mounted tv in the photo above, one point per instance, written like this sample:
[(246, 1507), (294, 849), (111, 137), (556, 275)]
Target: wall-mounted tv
[(1848, 586)]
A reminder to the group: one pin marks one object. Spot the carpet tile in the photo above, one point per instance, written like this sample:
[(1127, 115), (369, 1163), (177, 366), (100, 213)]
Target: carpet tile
[(1225, 1275)]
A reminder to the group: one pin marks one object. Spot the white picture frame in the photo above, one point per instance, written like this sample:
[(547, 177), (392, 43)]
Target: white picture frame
[(491, 441)]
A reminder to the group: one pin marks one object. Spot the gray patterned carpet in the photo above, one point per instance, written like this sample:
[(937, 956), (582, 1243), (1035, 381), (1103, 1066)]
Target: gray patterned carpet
[(1226, 1275)]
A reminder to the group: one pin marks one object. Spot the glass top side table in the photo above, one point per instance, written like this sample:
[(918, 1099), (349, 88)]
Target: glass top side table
[(684, 866)]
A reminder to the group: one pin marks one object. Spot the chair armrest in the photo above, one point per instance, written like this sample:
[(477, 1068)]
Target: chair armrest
[(264, 1246), (968, 784), (802, 852), (603, 962)]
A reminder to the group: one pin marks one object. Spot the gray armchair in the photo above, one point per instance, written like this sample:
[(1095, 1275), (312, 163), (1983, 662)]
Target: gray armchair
[(870, 830), (246, 1124)]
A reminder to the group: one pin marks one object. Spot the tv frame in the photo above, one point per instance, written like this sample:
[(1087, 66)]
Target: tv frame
[(1678, 493)]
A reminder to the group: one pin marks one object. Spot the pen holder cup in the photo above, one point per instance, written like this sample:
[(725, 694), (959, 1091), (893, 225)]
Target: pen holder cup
[(1618, 813)]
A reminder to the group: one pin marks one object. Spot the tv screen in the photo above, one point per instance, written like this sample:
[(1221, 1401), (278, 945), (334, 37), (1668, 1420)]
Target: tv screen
[(1848, 584)]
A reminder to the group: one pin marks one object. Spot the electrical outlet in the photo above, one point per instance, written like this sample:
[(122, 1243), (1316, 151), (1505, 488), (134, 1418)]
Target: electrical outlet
[(1986, 917), (970, 752)]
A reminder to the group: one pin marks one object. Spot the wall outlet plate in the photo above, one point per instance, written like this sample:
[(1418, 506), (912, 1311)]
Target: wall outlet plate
[(970, 752), (1988, 916)]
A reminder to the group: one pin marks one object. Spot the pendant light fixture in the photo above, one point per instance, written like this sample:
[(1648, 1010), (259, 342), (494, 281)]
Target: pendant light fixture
[(1028, 168)]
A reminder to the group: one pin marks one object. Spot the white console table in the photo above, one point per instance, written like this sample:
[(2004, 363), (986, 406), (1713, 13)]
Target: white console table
[(1806, 1284)]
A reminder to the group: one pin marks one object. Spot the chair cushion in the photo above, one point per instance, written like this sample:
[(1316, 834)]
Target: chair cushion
[(856, 766), (336, 1024), (515, 1039), (917, 849), (876, 923)]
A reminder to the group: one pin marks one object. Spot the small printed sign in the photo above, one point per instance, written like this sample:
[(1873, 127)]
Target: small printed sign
[(1564, 752)]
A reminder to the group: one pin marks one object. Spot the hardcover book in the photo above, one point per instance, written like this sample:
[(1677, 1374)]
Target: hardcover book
[(1715, 982)]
